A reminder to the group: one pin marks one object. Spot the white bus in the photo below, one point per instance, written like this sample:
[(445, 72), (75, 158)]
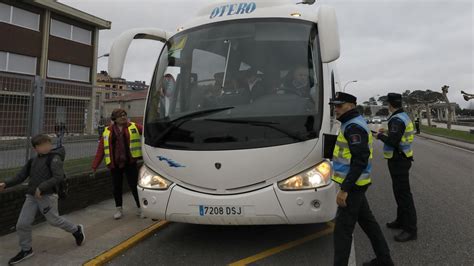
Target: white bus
[(236, 114)]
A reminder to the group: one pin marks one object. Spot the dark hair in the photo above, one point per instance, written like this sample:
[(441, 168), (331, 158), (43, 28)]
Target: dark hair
[(116, 113), (40, 139)]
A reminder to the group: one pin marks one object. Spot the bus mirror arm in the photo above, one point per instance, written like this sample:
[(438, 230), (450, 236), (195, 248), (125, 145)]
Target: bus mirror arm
[(119, 48)]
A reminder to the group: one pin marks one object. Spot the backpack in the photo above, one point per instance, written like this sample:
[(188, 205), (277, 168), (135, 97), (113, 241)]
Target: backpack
[(62, 189)]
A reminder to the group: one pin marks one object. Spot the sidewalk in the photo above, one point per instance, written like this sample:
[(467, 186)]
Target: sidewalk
[(52, 246), (444, 125), (456, 143)]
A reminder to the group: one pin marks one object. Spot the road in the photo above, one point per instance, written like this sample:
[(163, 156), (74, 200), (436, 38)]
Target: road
[(442, 183)]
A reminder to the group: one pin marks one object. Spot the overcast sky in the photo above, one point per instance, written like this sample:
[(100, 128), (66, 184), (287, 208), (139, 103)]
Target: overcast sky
[(386, 45)]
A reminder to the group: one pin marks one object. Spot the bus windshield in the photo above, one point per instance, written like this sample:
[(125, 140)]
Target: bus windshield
[(237, 85)]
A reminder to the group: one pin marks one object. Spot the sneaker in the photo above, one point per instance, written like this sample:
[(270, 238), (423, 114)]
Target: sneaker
[(21, 256), (118, 214), (79, 235), (140, 213)]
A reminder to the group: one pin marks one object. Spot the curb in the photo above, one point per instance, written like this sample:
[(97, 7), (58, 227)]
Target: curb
[(448, 141), (108, 255)]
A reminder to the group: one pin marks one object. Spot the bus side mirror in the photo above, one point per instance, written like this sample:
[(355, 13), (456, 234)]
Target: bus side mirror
[(328, 34), (119, 48)]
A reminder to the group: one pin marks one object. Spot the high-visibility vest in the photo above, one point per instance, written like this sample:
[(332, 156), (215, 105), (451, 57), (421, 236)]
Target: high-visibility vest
[(135, 142), (342, 154), (407, 138)]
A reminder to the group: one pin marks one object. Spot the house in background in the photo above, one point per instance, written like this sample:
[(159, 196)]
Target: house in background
[(48, 43), (134, 103)]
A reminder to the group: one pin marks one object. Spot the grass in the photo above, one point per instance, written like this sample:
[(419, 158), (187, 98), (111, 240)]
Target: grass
[(71, 167), (452, 134)]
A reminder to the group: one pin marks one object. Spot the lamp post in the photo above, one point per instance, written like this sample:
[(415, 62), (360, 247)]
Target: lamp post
[(351, 81)]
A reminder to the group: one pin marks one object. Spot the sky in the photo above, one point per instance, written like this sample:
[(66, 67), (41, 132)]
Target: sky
[(386, 45)]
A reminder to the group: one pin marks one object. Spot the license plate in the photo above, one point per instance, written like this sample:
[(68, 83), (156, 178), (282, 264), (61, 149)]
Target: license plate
[(205, 210)]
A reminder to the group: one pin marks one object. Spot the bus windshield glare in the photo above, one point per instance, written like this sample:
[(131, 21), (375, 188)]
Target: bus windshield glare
[(237, 85)]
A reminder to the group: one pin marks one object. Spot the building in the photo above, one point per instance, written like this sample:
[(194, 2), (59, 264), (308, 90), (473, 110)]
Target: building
[(109, 88), (134, 103), (118, 85), (46, 43), (137, 85)]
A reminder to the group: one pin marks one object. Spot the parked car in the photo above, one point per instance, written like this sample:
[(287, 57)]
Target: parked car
[(377, 120)]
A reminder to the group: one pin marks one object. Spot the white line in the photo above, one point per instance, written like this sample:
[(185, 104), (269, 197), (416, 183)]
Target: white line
[(352, 257)]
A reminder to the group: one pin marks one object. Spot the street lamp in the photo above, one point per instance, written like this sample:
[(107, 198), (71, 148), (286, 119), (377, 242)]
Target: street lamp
[(351, 81)]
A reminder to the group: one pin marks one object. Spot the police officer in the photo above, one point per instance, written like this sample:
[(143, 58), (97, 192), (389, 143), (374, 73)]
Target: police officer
[(399, 153), (352, 158)]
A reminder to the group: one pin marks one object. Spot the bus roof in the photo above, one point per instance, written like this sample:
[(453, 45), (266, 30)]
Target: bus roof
[(236, 10)]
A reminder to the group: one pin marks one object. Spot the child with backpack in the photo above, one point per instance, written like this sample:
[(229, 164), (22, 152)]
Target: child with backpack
[(46, 176)]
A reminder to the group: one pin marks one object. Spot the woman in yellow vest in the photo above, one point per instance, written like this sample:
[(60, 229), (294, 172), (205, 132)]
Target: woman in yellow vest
[(120, 145)]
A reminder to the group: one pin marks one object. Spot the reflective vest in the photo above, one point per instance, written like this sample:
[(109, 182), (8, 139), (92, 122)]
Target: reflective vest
[(342, 155), (135, 143), (407, 138)]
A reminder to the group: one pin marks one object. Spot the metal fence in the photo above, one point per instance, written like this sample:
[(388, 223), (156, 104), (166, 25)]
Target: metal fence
[(31, 105)]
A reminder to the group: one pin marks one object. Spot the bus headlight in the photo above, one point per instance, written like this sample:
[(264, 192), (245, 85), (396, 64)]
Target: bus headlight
[(317, 176), (151, 180)]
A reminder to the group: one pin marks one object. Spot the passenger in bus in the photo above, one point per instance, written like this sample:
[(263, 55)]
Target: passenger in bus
[(298, 82), (253, 85)]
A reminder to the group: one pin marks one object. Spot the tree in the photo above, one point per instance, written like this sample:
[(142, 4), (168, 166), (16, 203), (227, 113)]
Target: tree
[(367, 111), (422, 100), (372, 101), (360, 109), (382, 112), (444, 89)]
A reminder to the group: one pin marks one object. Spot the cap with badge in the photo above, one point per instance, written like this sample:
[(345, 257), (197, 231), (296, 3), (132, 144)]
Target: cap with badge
[(342, 97), (394, 98)]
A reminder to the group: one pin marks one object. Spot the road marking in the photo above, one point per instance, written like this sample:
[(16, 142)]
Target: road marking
[(278, 249), (115, 251)]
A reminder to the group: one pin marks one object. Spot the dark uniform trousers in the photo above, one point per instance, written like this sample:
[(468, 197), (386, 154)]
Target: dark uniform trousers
[(406, 214), (358, 210)]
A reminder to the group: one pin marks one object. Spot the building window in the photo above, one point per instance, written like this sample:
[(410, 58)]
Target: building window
[(70, 32), (107, 96), (17, 63), (19, 17), (107, 86), (120, 87), (114, 86), (68, 71)]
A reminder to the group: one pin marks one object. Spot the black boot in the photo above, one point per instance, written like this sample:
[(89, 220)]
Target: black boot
[(405, 236), (394, 225)]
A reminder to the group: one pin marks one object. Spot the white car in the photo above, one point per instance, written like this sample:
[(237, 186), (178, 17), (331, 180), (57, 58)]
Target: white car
[(377, 120)]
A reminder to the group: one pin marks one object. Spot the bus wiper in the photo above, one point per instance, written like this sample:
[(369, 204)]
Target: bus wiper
[(260, 124), (185, 118)]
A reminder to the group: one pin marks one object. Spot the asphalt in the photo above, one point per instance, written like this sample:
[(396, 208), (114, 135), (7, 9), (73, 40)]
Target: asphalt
[(442, 180)]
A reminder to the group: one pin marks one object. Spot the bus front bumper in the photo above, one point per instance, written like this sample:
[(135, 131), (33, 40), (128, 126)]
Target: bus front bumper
[(268, 205)]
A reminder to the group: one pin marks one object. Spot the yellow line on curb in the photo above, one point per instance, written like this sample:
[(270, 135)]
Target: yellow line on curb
[(286, 246), (115, 251)]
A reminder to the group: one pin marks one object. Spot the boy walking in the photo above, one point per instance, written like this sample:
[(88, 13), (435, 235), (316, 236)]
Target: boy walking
[(45, 172)]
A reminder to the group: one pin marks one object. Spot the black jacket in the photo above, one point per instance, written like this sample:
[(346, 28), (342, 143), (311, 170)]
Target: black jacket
[(41, 176), (358, 141), (396, 128)]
